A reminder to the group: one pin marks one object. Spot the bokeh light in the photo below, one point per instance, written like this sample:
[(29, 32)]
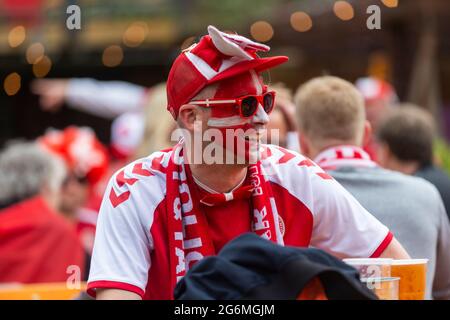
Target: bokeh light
[(390, 3), (301, 21), (35, 52), (135, 34), (379, 65), (42, 67), (12, 83), (261, 31), (16, 36), (112, 56), (343, 10)]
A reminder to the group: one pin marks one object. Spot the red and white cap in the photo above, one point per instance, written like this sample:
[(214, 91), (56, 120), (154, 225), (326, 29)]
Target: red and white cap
[(374, 89), (127, 131), (217, 56), (83, 153)]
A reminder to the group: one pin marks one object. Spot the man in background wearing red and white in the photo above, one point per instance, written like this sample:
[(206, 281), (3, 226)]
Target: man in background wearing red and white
[(333, 127), (87, 161), (37, 244), (379, 97)]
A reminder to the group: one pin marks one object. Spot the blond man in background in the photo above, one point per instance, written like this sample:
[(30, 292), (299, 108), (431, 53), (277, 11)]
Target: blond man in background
[(333, 130)]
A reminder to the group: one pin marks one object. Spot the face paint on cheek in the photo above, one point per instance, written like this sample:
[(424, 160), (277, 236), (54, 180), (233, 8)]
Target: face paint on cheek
[(238, 134), (243, 142), (226, 116)]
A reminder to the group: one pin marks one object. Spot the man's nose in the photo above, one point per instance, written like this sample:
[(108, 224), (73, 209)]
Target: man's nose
[(260, 117)]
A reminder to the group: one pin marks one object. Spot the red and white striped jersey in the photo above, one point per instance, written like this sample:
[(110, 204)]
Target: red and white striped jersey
[(131, 248)]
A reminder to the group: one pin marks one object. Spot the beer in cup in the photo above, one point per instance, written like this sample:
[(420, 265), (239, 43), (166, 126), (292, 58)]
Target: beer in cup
[(413, 276)]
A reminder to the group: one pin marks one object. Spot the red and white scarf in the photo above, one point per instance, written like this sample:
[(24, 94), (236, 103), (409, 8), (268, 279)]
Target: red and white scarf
[(344, 156), (188, 231)]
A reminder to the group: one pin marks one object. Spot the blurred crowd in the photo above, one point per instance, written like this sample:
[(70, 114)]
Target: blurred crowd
[(379, 149)]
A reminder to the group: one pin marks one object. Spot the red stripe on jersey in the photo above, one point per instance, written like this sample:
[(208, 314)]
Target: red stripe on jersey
[(138, 169), (286, 156), (118, 199), (383, 245), (324, 175), (267, 153), (92, 286), (306, 163), (121, 180), (157, 166)]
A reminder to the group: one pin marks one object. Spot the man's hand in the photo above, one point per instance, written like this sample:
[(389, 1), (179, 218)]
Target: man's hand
[(51, 91), (116, 294)]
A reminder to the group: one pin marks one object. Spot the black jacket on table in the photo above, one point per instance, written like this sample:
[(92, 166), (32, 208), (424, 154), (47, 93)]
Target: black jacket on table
[(250, 267)]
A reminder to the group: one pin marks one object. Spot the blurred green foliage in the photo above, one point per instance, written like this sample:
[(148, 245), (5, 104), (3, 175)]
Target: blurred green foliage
[(442, 154)]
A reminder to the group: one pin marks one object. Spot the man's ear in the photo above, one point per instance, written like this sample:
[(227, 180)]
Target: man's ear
[(187, 116), (367, 134)]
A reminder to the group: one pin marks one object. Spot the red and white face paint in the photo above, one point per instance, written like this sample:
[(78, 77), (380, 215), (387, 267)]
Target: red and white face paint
[(241, 136)]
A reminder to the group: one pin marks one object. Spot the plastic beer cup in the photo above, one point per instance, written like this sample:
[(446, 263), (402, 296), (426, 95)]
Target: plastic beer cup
[(385, 288), (371, 267), (413, 276)]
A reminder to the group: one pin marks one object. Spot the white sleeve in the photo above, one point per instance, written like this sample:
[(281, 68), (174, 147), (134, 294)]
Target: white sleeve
[(121, 255), (107, 99), (341, 224)]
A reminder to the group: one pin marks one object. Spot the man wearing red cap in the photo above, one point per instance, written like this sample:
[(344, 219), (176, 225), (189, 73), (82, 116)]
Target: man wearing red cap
[(163, 213), (86, 160), (379, 98)]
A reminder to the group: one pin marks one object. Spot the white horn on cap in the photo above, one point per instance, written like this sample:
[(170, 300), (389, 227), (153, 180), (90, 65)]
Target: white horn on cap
[(234, 45)]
